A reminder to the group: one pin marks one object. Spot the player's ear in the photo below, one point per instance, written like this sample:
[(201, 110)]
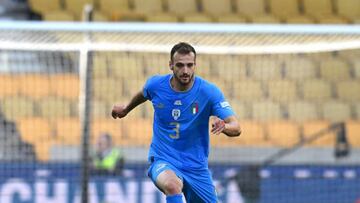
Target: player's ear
[(171, 65)]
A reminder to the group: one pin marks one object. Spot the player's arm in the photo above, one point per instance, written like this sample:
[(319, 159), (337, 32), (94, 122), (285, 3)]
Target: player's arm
[(120, 111), (229, 126)]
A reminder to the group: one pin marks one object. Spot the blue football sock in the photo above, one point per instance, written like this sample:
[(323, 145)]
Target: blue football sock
[(174, 198)]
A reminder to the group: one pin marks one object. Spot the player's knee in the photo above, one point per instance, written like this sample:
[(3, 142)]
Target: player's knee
[(173, 186)]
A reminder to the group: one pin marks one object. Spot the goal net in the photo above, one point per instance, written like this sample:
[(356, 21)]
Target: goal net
[(58, 82)]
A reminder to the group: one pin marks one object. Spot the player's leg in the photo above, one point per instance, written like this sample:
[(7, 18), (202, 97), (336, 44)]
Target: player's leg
[(167, 179), (171, 185)]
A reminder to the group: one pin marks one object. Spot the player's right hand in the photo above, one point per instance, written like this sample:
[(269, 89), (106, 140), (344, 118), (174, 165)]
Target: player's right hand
[(119, 111)]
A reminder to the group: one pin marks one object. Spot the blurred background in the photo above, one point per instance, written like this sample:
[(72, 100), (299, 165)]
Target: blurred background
[(289, 68)]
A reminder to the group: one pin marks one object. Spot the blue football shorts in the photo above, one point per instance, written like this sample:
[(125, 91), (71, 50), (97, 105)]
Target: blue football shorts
[(197, 185)]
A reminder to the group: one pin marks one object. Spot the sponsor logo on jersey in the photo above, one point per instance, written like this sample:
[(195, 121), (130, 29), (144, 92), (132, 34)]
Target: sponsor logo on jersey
[(224, 104), (175, 113), (160, 166), (160, 105), (178, 103)]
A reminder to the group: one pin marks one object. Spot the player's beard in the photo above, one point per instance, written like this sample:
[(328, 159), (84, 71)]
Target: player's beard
[(185, 80)]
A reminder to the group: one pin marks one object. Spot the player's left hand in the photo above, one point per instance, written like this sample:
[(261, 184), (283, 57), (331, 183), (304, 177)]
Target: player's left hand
[(218, 126)]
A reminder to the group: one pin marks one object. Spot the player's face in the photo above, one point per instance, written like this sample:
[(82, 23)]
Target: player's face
[(183, 67)]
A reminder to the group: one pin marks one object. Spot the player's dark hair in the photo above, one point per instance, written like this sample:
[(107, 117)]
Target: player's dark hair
[(182, 48)]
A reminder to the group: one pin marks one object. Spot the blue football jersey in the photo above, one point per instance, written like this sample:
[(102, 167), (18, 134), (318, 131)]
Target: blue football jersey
[(181, 120)]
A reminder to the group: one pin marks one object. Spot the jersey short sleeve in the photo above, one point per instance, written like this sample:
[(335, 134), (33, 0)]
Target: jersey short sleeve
[(149, 86), (220, 106)]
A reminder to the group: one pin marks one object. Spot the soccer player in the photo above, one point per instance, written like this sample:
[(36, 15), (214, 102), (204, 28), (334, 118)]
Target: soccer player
[(183, 105)]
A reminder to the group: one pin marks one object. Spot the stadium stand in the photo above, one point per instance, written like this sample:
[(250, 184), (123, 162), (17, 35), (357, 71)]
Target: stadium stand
[(42, 7), (266, 110), (301, 111), (229, 11), (311, 127), (348, 91), (353, 129), (316, 90), (334, 70), (308, 69), (349, 9), (283, 91), (282, 133)]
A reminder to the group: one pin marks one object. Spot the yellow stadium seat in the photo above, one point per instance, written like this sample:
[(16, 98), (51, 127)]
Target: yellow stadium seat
[(148, 6), (198, 18), (230, 68), (100, 66), (250, 8), (203, 66), (312, 127), (216, 8), (282, 91), (334, 70), (335, 111), (352, 132), (132, 86), (17, 107), (253, 134), (301, 19), (357, 110), (300, 69), (118, 10), (356, 68), (101, 109), (232, 18), (35, 129), (323, 11), (332, 20), (266, 110), (318, 8), (58, 15), (348, 91), (265, 68), (350, 55), (316, 90), (156, 64), (43, 6), (76, 7), (99, 17), (108, 89), (9, 86), (126, 66), (42, 150), (284, 8), (33, 85), (282, 133), (161, 17), (55, 107), (68, 131), (349, 9), (108, 6), (187, 7), (241, 109), (108, 125), (265, 19), (247, 90), (65, 85), (301, 111), (138, 131)]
